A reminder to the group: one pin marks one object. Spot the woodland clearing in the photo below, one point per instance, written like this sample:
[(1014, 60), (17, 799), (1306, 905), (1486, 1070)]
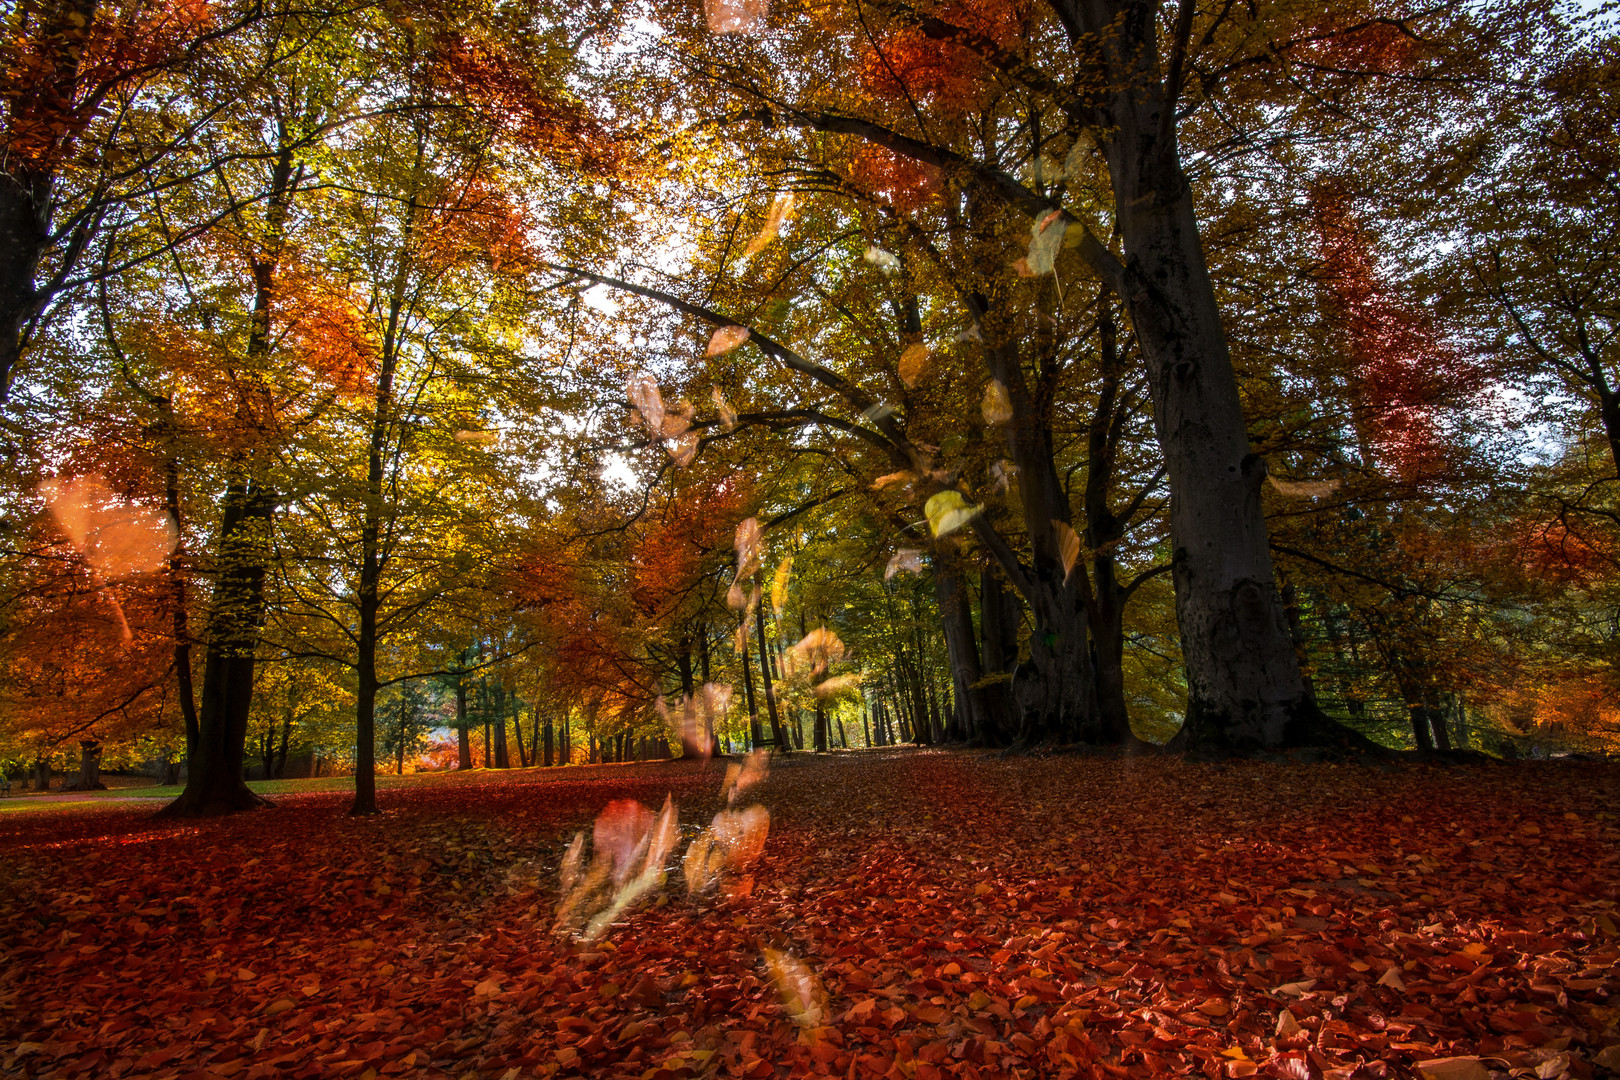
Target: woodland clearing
[(960, 913)]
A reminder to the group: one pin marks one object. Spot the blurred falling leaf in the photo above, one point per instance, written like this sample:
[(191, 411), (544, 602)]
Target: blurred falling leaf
[(909, 560), (885, 261), (1046, 239), (779, 585), (1002, 473), (972, 333), (996, 406), (877, 411), (913, 363), (838, 684), (684, 449), (904, 476), (1021, 267), (478, 438), (734, 595), (781, 209), (117, 538), (736, 16), (644, 395), (725, 339), (747, 543), (677, 420), (813, 654), (1304, 489), (948, 511), (801, 992), (1068, 546), (753, 770), (728, 415)]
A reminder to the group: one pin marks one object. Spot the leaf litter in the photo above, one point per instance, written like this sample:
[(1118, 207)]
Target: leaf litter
[(962, 915)]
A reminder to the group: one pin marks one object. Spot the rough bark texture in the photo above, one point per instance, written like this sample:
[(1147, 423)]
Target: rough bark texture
[(214, 784), (1244, 686), (89, 777)]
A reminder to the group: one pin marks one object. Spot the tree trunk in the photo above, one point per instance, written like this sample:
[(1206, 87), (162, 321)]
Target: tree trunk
[(463, 741), (503, 754), (1244, 687), (549, 760), (765, 681), (985, 721), (517, 729), (214, 784), (171, 771), (748, 693), (40, 125), (42, 775), (89, 778)]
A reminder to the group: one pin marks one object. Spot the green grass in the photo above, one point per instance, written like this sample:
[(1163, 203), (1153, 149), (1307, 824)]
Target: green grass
[(23, 800)]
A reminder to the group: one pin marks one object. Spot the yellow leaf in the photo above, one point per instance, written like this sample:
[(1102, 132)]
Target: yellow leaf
[(1068, 547), (725, 339), (478, 438), (996, 406), (913, 363), (1235, 1052), (904, 476), (948, 511), (779, 585)]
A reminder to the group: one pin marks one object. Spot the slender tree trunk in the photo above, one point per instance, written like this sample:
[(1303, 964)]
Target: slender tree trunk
[(517, 728), (463, 741), (748, 692), (765, 681), (985, 721), (404, 732), (550, 759), (503, 755)]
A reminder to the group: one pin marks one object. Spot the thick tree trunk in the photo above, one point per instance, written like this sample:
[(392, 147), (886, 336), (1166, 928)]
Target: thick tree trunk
[(170, 771), (56, 34), (1244, 687), (42, 775), (214, 784), (89, 778)]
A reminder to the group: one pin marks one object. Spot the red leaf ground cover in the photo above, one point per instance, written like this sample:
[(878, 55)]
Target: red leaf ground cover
[(966, 915)]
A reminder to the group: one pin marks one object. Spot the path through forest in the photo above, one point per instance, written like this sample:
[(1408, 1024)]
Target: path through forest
[(964, 914)]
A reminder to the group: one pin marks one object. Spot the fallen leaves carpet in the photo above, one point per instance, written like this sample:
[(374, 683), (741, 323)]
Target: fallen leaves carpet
[(966, 915)]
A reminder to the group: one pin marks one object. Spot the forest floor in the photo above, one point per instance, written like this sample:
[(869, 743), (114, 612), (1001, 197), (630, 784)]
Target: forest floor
[(957, 913)]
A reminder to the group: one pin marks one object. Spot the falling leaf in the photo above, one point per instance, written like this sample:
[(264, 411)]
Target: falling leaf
[(1002, 473), (1068, 547), (1304, 489), (838, 684), (644, 395), (753, 770), (801, 992), (117, 538), (781, 209), (478, 438), (779, 585), (677, 420), (996, 406), (885, 261), (1075, 161), (913, 363), (725, 339), (908, 560), (684, 449), (812, 654), (728, 415), (877, 411), (747, 543), (904, 476), (948, 511), (1021, 267), (736, 16), (620, 831), (1046, 239), (735, 600), (972, 333)]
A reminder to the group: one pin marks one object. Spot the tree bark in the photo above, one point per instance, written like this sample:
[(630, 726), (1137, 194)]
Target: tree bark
[(777, 739), (214, 784), (89, 777), (463, 742)]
